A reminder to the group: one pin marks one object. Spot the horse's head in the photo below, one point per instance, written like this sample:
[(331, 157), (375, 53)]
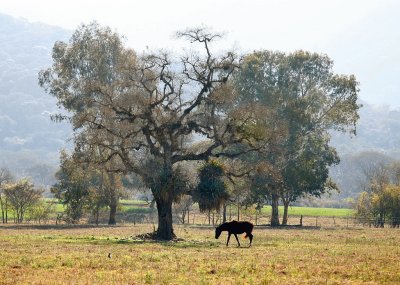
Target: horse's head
[(218, 232)]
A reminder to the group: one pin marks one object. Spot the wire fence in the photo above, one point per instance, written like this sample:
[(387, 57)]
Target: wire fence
[(215, 218), (305, 221)]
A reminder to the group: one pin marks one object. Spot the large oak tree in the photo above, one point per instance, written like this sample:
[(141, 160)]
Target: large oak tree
[(143, 111)]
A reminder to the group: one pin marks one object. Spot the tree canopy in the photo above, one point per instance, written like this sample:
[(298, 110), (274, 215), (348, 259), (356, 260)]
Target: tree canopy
[(299, 99), (22, 195), (211, 191), (145, 108)]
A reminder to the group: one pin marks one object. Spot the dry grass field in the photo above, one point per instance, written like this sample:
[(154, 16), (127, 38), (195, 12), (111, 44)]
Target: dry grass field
[(66, 255)]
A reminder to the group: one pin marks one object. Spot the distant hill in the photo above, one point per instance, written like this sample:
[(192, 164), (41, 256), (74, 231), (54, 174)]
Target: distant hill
[(377, 141), (378, 129), (27, 135)]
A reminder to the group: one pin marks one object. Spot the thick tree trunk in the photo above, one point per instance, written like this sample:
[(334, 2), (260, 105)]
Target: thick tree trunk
[(19, 216), (113, 200), (224, 213), (256, 220), (97, 215), (6, 211), (275, 210), (285, 212), (113, 212), (164, 230), (2, 210)]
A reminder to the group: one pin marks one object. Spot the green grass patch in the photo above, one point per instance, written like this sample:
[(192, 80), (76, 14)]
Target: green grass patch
[(141, 207), (136, 210), (312, 212), (132, 202)]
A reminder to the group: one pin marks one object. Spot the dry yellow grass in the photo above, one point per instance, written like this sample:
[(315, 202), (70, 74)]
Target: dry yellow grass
[(31, 255)]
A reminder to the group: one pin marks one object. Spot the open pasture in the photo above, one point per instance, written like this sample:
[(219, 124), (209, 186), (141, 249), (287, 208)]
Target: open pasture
[(80, 255)]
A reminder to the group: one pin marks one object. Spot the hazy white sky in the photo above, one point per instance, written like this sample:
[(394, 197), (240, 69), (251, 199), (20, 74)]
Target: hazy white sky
[(331, 26), (277, 24)]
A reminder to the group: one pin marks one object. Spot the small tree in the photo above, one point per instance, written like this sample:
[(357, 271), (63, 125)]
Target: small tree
[(22, 196), (106, 181), (95, 202), (41, 211), (308, 172), (383, 206), (5, 177), (374, 200), (183, 208), (211, 192), (381, 200), (394, 205), (105, 189), (265, 184), (72, 187), (363, 208)]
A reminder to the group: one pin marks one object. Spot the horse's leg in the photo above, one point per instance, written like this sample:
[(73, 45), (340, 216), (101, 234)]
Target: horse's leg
[(250, 237), (229, 236), (237, 240)]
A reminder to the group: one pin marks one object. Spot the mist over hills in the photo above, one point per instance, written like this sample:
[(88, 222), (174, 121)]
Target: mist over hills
[(30, 141), (27, 135), (378, 129)]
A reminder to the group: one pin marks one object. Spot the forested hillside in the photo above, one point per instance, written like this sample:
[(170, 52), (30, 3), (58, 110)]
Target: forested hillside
[(378, 129), (29, 141), (377, 142)]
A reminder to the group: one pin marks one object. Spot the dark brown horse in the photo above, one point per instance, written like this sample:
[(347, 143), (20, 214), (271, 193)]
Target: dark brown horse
[(235, 228)]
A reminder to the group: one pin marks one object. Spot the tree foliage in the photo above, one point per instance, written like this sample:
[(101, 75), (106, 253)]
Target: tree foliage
[(41, 211), (85, 187), (5, 177), (145, 108), (380, 204), (72, 187), (211, 191), (302, 99), (22, 195)]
